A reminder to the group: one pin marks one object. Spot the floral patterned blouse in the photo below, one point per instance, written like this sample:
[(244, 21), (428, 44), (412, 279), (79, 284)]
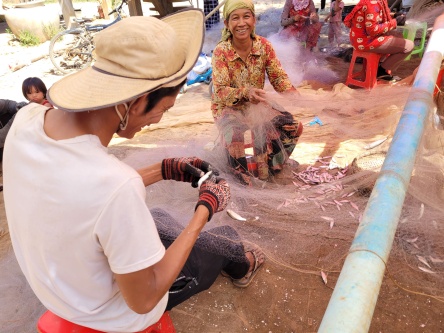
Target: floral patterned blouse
[(232, 76), (290, 11), (369, 23)]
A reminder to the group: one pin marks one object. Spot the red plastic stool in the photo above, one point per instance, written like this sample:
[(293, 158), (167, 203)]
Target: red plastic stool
[(439, 80), (51, 323), (366, 78)]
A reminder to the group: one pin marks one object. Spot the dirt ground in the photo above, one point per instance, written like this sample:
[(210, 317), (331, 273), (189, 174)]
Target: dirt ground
[(280, 299)]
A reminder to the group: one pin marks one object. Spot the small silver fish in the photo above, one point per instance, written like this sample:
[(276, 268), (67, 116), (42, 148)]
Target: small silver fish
[(412, 240), (436, 260), (375, 144), (324, 277), (235, 216), (354, 205), (421, 211), (424, 261), (426, 270)]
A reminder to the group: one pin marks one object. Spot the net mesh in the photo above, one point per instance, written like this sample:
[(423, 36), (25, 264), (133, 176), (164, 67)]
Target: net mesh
[(304, 218)]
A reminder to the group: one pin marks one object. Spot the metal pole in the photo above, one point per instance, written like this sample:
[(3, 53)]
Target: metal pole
[(354, 298)]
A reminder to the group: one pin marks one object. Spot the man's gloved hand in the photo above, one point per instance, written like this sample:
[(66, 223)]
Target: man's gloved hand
[(185, 169), (214, 194)]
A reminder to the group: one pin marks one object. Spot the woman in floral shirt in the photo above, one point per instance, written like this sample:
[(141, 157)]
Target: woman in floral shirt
[(240, 62), (372, 30)]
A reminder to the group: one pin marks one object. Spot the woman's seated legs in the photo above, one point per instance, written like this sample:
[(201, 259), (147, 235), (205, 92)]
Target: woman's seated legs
[(282, 138), (232, 129), (313, 32), (398, 49)]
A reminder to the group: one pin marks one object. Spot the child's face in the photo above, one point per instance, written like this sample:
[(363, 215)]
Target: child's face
[(35, 96)]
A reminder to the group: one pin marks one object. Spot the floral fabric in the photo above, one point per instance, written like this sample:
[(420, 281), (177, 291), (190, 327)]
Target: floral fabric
[(369, 23), (300, 4), (232, 76), (302, 30)]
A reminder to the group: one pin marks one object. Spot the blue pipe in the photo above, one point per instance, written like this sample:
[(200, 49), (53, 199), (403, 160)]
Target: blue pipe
[(354, 298)]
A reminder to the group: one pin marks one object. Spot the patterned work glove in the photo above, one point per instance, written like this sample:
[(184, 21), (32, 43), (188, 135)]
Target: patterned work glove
[(214, 194), (185, 169)]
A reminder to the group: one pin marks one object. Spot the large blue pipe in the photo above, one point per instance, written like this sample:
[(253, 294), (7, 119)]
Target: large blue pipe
[(354, 298)]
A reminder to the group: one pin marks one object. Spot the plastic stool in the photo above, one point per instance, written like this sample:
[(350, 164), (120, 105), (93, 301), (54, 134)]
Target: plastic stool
[(51, 323), (439, 81), (251, 143), (409, 32), (366, 78)]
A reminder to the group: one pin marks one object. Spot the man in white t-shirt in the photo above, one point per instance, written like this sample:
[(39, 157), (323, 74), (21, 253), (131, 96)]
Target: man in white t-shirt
[(81, 231)]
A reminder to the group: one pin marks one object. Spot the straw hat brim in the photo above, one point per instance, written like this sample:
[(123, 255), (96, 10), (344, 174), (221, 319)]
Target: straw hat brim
[(90, 89)]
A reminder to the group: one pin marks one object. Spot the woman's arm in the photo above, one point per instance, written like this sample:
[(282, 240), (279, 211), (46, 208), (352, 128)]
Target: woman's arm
[(313, 15), (371, 24), (285, 17)]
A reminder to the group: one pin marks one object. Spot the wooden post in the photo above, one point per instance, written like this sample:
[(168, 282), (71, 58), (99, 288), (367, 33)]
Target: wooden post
[(68, 13), (105, 7), (135, 8), (162, 7)]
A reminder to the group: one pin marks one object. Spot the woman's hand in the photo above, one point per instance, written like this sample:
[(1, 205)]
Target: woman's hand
[(297, 17), (314, 17), (294, 91), (393, 23), (256, 95)]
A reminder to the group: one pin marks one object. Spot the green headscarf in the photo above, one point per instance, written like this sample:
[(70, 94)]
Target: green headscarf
[(229, 7)]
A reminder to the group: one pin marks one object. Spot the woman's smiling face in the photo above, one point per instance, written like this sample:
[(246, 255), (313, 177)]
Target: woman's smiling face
[(241, 23)]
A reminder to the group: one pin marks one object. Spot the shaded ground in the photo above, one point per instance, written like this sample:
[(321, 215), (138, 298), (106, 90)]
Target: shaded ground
[(285, 296)]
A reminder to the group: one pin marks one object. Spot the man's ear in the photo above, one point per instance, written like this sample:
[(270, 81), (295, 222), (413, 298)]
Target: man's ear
[(140, 104)]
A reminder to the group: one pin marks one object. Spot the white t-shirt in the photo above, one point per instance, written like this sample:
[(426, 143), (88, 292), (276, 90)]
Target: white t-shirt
[(77, 214)]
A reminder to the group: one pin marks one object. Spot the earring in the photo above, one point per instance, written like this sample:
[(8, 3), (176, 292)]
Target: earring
[(123, 120)]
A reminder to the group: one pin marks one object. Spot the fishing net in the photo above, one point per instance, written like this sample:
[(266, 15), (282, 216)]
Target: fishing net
[(304, 218)]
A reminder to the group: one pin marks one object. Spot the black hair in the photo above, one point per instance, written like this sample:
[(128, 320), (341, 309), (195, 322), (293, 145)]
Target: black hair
[(155, 96), (33, 82)]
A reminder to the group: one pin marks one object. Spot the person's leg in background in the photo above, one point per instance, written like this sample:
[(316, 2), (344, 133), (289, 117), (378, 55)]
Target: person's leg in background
[(337, 32), (331, 34), (398, 49)]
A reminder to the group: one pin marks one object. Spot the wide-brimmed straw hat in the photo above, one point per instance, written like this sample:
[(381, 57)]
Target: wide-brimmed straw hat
[(136, 55)]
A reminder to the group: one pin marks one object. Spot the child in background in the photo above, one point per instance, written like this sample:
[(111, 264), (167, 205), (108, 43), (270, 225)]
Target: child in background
[(335, 17), (34, 91)]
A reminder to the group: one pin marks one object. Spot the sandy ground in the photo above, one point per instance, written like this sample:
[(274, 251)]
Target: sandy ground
[(280, 299)]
